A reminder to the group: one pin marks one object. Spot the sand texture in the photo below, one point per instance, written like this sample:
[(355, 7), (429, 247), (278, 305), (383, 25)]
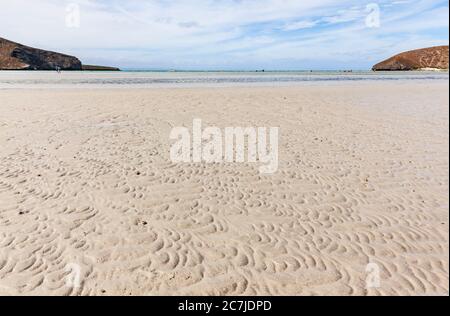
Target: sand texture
[(86, 180)]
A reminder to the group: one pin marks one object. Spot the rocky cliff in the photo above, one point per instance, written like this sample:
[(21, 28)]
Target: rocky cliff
[(433, 57), (14, 56)]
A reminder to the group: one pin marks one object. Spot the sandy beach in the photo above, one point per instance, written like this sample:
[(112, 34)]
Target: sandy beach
[(86, 182)]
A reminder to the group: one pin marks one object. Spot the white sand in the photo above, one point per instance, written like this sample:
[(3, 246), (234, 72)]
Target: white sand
[(86, 181)]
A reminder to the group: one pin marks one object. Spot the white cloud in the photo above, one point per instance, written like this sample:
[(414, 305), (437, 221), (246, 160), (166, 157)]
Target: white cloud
[(299, 25)]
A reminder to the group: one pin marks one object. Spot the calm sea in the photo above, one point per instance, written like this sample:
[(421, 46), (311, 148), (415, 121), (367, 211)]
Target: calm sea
[(148, 79)]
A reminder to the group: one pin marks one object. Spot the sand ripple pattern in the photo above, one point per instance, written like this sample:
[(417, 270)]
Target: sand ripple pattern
[(86, 180)]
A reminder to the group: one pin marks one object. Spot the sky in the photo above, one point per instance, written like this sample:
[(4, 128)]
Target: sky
[(227, 34)]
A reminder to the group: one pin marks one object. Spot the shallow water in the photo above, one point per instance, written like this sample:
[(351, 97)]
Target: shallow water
[(148, 79)]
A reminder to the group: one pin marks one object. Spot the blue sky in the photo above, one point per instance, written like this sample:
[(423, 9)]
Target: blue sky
[(228, 34)]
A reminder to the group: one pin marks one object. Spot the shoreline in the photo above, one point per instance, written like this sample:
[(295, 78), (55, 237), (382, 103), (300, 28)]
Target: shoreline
[(152, 80), (214, 86)]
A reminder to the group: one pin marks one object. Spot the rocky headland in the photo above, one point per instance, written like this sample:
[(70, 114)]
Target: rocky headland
[(432, 58), (15, 56)]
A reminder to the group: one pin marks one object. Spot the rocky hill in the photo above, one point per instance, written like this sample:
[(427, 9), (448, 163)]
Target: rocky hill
[(15, 56), (426, 58)]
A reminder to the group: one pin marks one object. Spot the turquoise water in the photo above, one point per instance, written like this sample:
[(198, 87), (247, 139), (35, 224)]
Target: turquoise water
[(17, 79)]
